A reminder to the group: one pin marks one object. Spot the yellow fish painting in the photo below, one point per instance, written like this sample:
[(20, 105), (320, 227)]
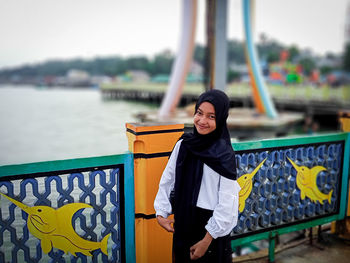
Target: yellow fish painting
[(246, 183), (306, 182), (54, 228)]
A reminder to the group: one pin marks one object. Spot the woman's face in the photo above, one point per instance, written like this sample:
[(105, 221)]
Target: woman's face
[(205, 119)]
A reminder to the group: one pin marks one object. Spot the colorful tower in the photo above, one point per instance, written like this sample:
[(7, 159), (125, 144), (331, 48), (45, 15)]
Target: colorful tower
[(347, 25)]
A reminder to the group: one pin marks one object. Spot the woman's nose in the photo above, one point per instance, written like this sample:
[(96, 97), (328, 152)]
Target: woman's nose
[(203, 119)]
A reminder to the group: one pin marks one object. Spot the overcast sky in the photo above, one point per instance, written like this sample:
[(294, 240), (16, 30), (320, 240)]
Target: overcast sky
[(33, 31)]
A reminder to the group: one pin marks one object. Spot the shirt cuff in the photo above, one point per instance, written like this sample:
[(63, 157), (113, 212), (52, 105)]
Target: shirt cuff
[(162, 214), (211, 231)]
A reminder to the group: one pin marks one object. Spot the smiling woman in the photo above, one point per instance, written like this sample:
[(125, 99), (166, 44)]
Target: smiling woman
[(201, 172)]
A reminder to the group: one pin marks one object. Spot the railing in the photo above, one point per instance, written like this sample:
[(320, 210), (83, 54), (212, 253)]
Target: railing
[(77, 206), (290, 184), (83, 210)]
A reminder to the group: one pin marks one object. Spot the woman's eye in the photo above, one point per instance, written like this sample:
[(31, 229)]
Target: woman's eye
[(199, 113), (212, 117)]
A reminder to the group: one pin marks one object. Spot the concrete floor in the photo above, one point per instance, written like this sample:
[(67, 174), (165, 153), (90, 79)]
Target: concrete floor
[(330, 249)]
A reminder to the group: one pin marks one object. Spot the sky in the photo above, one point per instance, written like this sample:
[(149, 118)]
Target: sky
[(33, 31)]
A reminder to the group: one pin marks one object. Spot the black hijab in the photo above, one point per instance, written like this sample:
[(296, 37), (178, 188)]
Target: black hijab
[(213, 149)]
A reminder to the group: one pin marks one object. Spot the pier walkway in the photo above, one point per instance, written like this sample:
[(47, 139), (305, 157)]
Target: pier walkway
[(317, 100)]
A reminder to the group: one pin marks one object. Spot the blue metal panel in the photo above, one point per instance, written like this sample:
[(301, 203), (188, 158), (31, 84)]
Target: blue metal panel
[(276, 199), (99, 188)]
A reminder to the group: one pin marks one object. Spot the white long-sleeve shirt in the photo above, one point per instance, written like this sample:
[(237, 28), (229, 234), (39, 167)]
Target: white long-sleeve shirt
[(216, 193)]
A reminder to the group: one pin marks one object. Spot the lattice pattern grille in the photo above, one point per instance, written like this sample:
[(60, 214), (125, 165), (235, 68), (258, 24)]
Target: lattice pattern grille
[(98, 188), (275, 199)]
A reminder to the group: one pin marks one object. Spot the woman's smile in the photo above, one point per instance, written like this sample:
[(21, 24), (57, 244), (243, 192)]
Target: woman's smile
[(204, 119), (203, 126)]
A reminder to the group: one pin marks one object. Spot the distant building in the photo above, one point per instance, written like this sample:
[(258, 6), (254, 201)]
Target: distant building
[(305, 53), (77, 77), (138, 76), (196, 69), (97, 80), (160, 78), (332, 62), (242, 69)]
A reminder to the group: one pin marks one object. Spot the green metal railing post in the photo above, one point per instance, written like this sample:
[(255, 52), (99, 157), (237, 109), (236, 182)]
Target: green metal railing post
[(272, 244), (310, 236)]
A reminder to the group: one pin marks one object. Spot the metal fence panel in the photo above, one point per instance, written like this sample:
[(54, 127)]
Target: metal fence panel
[(289, 182), (276, 198), (74, 215)]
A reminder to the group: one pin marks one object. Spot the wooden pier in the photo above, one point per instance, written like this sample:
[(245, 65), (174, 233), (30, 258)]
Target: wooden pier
[(243, 123), (325, 101)]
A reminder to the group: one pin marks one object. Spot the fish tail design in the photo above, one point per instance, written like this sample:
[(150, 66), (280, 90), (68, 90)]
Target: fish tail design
[(104, 244), (330, 196), (241, 206)]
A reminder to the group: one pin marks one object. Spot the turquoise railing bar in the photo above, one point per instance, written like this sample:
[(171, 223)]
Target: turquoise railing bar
[(129, 193)]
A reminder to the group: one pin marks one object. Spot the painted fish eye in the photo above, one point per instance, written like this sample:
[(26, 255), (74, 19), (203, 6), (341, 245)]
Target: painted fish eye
[(39, 210), (245, 177)]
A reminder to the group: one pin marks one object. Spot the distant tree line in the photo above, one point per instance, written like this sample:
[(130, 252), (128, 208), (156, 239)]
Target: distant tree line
[(161, 63), (110, 66)]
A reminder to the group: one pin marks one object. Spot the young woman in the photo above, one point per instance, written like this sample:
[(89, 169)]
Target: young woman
[(199, 186)]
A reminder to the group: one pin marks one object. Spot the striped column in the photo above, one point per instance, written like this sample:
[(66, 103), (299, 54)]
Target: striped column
[(151, 145)]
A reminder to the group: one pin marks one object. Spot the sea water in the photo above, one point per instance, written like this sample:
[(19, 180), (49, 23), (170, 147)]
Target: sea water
[(55, 124)]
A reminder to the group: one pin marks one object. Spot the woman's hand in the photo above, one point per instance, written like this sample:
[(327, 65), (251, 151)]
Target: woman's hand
[(166, 223), (198, 250)]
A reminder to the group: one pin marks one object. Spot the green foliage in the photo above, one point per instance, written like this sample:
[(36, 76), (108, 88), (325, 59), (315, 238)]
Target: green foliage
[(325, 70), (199, 54), (268, 50), (137, 63), (161, 64), (293, 52), (110, 66), (232, 76), (273, 57), (235, 52), (346, 63), (308, 65)]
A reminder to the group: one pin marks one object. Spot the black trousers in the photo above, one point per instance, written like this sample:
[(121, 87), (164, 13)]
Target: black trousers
[(219, 250)]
